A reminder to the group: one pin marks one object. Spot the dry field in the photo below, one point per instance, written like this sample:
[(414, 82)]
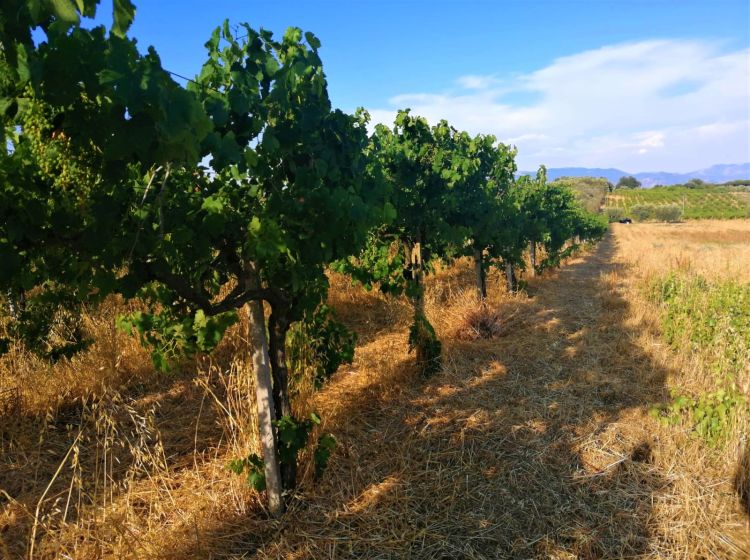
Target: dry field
[(713, 248), (535, 441)]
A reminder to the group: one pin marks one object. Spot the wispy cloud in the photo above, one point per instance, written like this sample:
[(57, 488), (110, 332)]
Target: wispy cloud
[(675, 105)]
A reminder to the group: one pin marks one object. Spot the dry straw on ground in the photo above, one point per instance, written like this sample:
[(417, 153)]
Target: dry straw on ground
[(533, 442)]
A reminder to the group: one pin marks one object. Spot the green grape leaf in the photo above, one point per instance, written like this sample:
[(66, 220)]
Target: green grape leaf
[(123, 15)]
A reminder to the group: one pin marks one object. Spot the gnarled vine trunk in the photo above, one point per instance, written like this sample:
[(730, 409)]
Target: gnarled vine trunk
[(278, 326), (510, 277), (422, 337), (532, 257), (16, 302), (481, 276)]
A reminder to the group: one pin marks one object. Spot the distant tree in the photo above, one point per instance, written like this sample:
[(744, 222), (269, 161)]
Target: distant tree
[(668, 213), (737, 183), (695, 184), (642, 212), (628, 182), (591, 192)]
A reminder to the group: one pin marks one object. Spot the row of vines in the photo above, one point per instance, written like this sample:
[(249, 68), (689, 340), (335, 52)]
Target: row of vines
[(710, 202), (102, 191)]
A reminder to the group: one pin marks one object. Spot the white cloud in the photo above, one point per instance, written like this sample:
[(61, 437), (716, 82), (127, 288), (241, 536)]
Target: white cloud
[(476, 82), (672, 105)]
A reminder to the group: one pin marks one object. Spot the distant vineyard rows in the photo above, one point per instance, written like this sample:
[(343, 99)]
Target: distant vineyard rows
[(719, 203)]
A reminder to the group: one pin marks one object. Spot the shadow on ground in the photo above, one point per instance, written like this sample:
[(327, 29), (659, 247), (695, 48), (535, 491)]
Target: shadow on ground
[(514, 451)]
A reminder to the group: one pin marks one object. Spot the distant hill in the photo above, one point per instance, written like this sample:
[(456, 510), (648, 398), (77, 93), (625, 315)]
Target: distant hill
[(715, 174)]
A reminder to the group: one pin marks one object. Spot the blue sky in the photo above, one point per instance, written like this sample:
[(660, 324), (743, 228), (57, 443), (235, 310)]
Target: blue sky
[(640, 85)]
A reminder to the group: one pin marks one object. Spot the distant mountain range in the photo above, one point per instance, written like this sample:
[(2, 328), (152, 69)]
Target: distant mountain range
[(714, 174)]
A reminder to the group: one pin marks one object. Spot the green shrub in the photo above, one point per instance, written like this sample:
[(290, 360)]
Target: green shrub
[(317, 346), (711, 320), (710, 415), (668, 213), (642, 212), (615, 214)]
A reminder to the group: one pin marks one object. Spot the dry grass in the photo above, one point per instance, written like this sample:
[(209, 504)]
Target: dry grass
[(716, 479), (712, 248), (533, 442)]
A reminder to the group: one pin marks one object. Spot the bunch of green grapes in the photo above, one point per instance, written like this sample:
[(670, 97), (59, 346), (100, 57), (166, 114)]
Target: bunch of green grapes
[(67, 170)]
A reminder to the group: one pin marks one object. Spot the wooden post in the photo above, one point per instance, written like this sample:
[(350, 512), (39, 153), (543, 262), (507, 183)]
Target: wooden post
[(417, 272), (264, 399), (480, 275)]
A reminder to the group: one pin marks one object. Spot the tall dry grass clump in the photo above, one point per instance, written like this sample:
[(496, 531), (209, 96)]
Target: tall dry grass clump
[(102, 456), (114, 360)]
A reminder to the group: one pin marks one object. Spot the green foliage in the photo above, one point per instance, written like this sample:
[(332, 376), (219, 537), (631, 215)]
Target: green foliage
[(552, 216), (591, 192), (172, 336), (422, 166), (710, 319), (642, 212), (85, 115), (254, 467), (738, 183), (445, 191), (628, 182), (101, 192), (482, 189), (322, 454), (588, 227), (293, 435), (668, 213), (710, 416), (548, 214), (49, 324), (381, 263), (423, 339), (318, 345), (615, 214)]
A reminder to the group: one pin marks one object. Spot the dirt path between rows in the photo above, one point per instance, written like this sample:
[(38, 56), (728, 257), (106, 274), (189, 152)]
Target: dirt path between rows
[(531, 445)]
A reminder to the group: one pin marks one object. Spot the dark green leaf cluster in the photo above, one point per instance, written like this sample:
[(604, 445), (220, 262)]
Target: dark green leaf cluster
[(48, 324), (628, 182), (322, 454), (171, 335), (293, 435), (424, 341), (253, 466), (317, 346)]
